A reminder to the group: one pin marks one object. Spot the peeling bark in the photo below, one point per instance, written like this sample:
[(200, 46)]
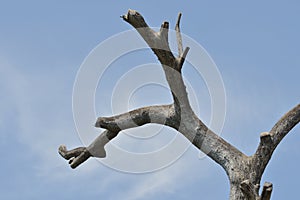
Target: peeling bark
[(244, 172)]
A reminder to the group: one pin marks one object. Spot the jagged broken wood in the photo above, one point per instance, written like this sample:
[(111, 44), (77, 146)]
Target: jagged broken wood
[(244, 172)]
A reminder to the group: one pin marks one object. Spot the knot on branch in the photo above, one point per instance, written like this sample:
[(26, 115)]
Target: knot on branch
[(266, 138), (250, 190), (265, 148), (267, 190)]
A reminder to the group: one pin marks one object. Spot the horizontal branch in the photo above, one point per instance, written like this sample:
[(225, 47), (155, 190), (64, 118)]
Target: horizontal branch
[(163, 114)]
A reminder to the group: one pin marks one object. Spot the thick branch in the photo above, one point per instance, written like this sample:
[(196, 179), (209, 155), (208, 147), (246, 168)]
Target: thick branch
[(157, 41), (164, 115), (159, 44)]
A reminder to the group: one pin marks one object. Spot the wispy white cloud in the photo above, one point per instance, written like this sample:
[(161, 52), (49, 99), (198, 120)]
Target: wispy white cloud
[(39, 114), (166, 181)]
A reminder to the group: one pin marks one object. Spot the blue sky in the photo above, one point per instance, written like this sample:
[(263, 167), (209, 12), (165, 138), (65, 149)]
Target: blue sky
[(42, 45)]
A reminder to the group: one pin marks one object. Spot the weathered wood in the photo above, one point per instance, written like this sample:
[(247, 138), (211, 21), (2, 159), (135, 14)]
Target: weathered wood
[(266, 192), (249, 190), (75, 156), (178, 35), (244, 172)]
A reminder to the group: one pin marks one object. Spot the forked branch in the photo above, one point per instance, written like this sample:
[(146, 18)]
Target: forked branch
[(244, 172), (190, 125), (178, 115)]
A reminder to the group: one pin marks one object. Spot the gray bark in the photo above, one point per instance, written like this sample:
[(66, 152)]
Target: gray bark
[(244, 172)]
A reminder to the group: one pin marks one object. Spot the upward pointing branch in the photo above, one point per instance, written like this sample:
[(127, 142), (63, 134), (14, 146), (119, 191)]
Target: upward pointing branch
[(190, 125), (178, 35), (270, 140)]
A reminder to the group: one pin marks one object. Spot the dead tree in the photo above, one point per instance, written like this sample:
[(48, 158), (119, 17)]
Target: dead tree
[(244, 172)]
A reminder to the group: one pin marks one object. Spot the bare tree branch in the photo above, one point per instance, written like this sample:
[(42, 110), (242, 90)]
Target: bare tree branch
[(178, 115), (270, 140), (178, 35), (190, 125), (244, 172), (164, 115), (182, 57), (285, 124)]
